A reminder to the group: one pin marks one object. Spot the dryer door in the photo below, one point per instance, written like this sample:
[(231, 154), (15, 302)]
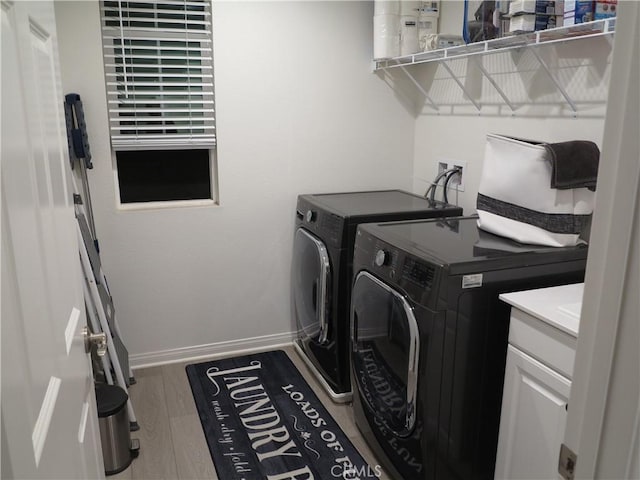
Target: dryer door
[(386, 349), (311, 285)]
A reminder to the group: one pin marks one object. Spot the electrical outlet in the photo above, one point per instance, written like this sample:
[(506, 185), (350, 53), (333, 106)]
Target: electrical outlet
[(456, 182)]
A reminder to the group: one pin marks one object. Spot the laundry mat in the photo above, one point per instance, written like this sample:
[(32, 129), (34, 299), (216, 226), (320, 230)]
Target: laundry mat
[(262, 421)]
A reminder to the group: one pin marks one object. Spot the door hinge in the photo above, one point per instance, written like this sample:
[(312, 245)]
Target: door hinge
[(567, 462)]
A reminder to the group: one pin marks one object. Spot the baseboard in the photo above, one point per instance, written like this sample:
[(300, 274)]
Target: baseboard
[(211, 350)]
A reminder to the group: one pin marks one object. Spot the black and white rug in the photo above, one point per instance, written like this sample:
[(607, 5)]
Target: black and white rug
[(262, 421)]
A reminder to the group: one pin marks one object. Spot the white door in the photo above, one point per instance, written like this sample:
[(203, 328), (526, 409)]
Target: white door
[(534, 411), (49, 424)]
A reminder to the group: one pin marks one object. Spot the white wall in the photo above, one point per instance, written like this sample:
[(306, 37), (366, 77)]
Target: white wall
[(458, 130), (298, 111), (463, 138)]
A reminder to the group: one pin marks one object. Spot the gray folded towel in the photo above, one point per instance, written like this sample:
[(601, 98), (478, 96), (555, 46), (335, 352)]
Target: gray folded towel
[(574, 164)]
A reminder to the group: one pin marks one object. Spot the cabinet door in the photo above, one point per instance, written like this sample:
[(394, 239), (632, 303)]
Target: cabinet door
[(534, 410)]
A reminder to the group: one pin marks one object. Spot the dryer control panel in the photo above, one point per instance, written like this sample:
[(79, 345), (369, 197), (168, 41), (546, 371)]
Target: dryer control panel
[(418, 272), (325, 225), (396, 267)]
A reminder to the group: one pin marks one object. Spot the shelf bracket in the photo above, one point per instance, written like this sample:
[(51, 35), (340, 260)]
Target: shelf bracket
[(421, 88), (555, 81), (478, 62), (460, 84)]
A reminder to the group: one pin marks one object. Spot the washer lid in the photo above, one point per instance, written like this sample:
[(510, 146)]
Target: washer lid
[(384, 202), (459, 242)]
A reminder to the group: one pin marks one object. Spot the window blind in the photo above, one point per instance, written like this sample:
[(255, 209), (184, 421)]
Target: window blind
[(158, 58)]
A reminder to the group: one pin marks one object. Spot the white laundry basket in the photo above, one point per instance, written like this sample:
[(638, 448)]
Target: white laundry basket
[(516, 198)]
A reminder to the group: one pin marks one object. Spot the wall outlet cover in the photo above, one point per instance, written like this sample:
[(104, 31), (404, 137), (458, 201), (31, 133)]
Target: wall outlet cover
[(457, 182)]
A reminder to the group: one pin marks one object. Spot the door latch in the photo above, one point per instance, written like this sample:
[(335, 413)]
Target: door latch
[(567, 462), (97, 340)]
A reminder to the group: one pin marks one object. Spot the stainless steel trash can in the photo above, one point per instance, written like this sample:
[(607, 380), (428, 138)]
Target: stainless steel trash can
[(118, 450)]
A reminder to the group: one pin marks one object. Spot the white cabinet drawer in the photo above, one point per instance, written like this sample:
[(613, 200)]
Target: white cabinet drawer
[(545, 343)]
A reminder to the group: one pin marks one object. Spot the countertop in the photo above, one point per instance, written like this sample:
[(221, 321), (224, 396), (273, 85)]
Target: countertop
[(557, 306)]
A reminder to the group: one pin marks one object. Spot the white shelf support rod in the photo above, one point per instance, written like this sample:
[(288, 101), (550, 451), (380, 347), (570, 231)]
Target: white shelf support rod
[(478, 62), (555, 81), (460, 84), (421, 88)]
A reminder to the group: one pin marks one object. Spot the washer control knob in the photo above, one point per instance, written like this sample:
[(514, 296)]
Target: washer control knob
[(382, 258), (311, 216)]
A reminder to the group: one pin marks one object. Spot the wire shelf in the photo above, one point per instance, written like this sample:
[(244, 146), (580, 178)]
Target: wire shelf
[(598, 28), (533, 39)]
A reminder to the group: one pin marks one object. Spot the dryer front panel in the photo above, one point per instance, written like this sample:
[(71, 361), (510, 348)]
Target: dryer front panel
[(311, 286), (385, 352)]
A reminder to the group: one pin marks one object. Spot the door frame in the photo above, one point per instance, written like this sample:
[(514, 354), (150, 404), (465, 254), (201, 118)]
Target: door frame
[(605, 393)]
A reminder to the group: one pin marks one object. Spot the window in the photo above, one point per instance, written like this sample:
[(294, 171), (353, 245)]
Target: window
[(163, 175), (158, 58)]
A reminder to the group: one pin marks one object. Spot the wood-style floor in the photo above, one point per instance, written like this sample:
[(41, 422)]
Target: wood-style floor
[(172, 444)]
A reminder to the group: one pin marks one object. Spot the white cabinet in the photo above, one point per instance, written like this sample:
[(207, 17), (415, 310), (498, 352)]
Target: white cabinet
[(542, 341), (534, 406)]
